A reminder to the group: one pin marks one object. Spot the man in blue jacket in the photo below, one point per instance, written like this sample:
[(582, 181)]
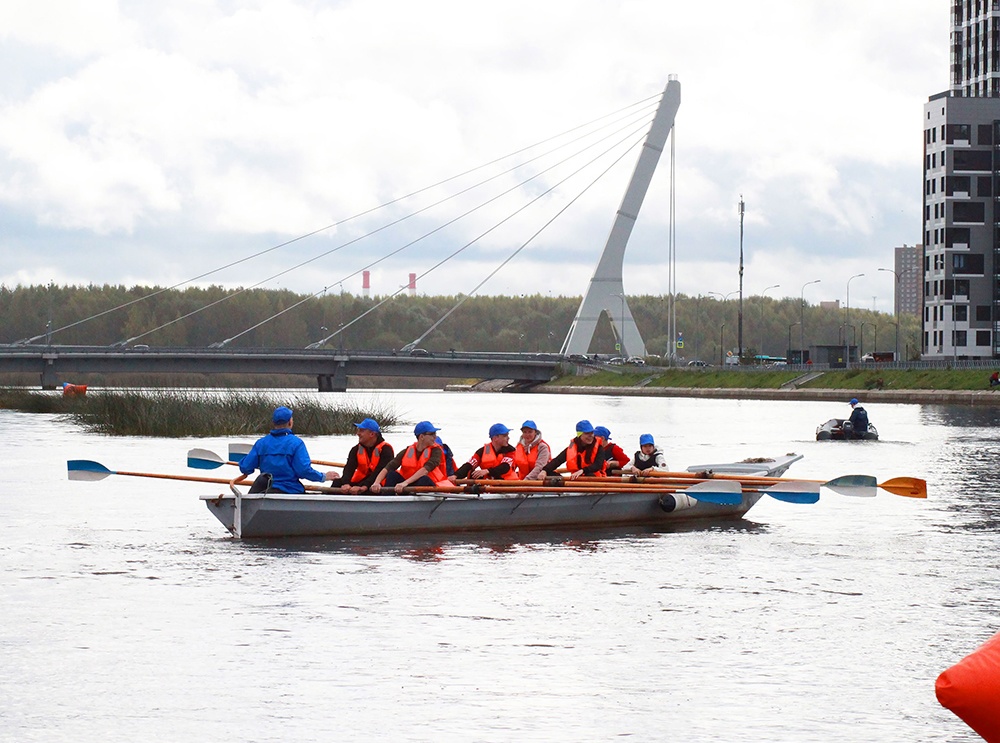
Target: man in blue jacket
[(282, 459)]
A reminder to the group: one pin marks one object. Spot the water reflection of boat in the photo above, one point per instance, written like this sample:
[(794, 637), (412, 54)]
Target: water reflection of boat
[(838, 429), (315, 514)]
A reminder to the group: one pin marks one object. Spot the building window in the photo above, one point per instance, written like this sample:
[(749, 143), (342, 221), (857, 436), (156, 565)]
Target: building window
[(982, 314), (984, 188), (956, 184), (969, 211), (982, 338), (964, 160), (961, 313), (958, 338)]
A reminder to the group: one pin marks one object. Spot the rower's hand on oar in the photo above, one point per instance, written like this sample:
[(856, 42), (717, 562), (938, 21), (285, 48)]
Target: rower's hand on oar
[(331, 475), (480, 473), (576, 474)]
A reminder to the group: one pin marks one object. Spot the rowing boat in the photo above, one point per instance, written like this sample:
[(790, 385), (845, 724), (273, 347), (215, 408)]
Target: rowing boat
[(310, 514)]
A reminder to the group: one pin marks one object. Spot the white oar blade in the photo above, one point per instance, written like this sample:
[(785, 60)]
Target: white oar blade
[(856, 486), (203, 459), (84, 469), (238, 451), (794, 492), (722, 492)]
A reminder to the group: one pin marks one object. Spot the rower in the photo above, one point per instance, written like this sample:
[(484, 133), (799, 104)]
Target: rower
[(531, 453), (649, 456), (421, 463), (370, 455), (494, 459), (282, 459), (616, 456), (583, 456)]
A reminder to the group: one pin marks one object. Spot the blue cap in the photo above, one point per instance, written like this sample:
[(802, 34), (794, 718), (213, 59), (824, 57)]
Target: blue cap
[(498, 429), (282, 415), (646, 438), (369, 424), (854, 401), (424, 427), (529, 424), (584, 427), (603, 432)]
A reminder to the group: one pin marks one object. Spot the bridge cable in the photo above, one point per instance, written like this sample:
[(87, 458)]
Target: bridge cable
[(49, 333), (445, 260), (219, 344)]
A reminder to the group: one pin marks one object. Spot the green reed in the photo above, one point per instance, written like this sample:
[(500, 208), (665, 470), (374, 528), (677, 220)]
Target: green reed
[(179, 413)]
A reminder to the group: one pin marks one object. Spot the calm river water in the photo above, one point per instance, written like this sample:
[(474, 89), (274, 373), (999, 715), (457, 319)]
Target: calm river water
[(129, 614)]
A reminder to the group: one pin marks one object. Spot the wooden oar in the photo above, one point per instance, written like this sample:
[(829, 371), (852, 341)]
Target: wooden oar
[(722, 493), (203, 459), (854, 485), (790, 491), (84, 469)]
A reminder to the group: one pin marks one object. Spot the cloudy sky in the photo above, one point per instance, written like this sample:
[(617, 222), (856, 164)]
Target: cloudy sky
[(156, 142)]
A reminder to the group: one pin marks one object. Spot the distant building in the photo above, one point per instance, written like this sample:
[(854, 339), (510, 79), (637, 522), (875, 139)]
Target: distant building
[(961, 127), (909, 295)]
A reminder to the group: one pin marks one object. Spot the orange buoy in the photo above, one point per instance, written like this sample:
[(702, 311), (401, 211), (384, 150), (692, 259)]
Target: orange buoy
[(74, 390), (971, 689)]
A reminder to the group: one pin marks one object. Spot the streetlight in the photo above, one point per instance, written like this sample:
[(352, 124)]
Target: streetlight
[(847, 321), (895, 302), (724, 297), (621, 331), (790, 340), (802, 320), (760, 349)]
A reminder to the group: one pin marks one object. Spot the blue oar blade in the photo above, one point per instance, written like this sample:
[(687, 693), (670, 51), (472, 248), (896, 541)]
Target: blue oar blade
[(203, 459), (84, 469), (856, 486), (238, 451), (722, 492), (794, 492)]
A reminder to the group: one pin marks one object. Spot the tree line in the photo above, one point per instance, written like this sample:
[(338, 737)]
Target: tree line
[(201, 316)]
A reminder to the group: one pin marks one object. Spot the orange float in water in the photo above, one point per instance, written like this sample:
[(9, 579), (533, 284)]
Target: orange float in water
[(73, 390), (971, 689)]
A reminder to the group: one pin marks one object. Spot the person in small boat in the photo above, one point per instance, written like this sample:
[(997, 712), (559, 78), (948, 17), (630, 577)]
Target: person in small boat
[(366, 458), (494, 459), (858, 421), (531, 453), (616, 456), (282, 459), (421, 463), (585, 456), (649, 456)]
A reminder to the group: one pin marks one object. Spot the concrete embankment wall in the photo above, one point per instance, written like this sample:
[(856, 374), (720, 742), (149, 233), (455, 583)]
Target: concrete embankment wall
[(916, 397)]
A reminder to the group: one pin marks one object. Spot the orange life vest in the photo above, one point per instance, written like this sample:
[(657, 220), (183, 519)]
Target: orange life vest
[(491, 459), (412, 461), (524, 460), (577, 458), (366, 461)]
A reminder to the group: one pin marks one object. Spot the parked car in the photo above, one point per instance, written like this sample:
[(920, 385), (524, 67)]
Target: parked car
[(698, 362), (636, 361), (419, 352), (616, 360), (867, 357)]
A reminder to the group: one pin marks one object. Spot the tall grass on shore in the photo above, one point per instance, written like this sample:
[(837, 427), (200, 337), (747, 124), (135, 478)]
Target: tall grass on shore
[(178, 413)]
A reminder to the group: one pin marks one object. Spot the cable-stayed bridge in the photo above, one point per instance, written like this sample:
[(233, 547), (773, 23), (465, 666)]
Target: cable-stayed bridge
[(612, 140)]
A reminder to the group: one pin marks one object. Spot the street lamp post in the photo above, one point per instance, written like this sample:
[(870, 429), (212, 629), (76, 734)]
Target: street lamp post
[(847, 321), (802, 320), (760, 349), (723, 297), (895, 301)]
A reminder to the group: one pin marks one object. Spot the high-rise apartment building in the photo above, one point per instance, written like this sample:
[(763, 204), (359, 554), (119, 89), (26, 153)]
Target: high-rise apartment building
[(961, 214), (907, 262)]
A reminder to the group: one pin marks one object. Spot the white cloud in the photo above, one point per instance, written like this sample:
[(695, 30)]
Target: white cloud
[(148, 128)]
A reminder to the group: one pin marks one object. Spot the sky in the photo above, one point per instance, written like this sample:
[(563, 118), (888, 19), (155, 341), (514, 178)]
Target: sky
[(152, 143)]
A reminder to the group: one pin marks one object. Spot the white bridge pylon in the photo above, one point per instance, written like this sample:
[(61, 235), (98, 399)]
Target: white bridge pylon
[(606, 292)]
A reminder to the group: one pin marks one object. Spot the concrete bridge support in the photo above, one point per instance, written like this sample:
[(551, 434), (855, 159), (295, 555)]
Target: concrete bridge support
[(336, 382)]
